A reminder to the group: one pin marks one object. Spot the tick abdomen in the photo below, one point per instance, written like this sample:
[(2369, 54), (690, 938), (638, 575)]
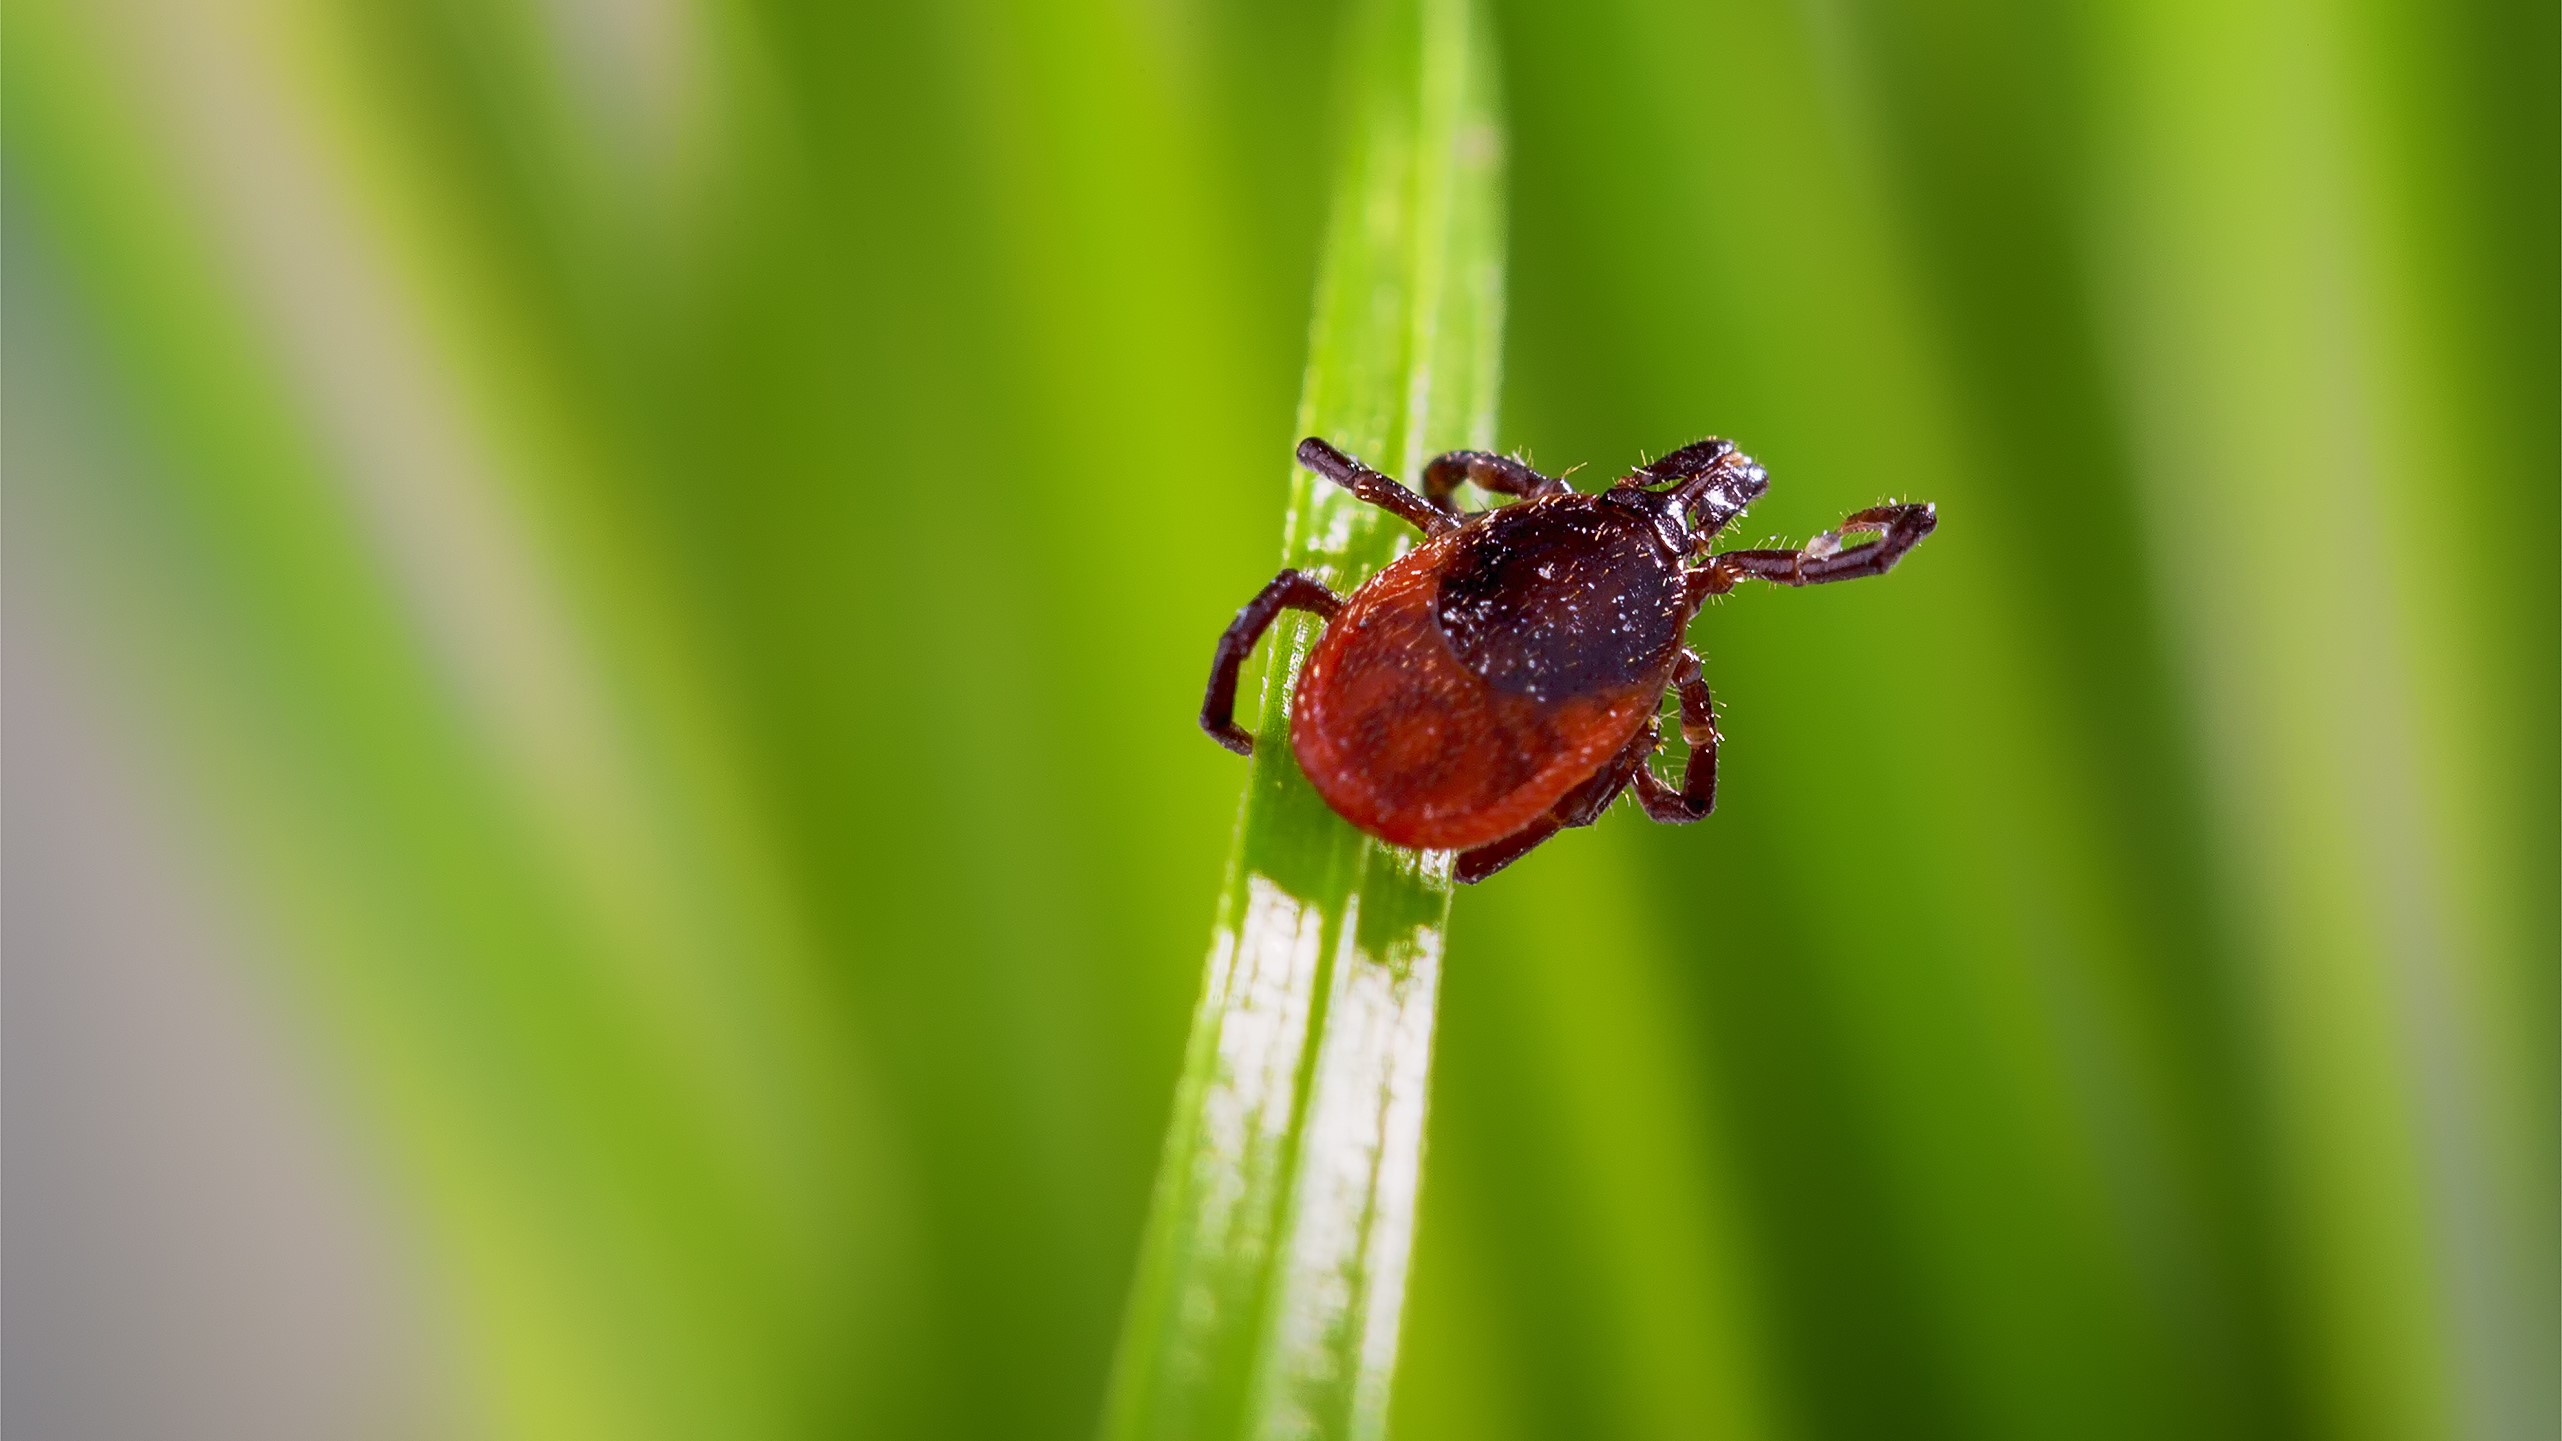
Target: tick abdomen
[(1475, 682)]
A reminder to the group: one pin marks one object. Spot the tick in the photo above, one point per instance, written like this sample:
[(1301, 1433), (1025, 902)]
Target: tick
[(1501, 681)]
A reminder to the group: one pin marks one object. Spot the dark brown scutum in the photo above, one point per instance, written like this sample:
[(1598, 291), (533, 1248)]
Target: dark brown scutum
[(1560, 597)]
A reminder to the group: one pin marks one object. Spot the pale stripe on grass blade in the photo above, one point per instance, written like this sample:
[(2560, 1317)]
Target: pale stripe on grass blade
[(1273, 1271)]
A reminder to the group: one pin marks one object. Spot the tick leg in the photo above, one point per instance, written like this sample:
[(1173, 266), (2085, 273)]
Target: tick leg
[(1377, 489), (1474, 866), (1715, 480), (1697, 458), (1288, 591), (1898, 529), (1580, 807), (1698, 793), (1498, 473)]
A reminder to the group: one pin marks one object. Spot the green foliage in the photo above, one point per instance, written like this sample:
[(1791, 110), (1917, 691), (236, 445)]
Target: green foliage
[(666, 553)]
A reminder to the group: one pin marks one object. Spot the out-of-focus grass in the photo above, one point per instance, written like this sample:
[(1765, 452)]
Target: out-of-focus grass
[(2088, 990), (669, 549)]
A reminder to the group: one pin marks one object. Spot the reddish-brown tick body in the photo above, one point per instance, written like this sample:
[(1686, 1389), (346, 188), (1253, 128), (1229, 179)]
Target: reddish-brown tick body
[(1465, 689), (1500, 683)]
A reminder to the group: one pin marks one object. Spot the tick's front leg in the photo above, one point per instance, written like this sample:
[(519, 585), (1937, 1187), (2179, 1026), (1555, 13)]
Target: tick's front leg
[(1499, 474), (1289, 590), (1898, 529), (1375, 488)]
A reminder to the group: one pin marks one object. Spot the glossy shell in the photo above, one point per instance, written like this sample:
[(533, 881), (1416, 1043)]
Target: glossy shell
[(1468, 687)]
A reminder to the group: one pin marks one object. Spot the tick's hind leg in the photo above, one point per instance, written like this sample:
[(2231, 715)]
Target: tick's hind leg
[(1898, 529), (1377, 489), (1500, 474), (1581, 807), (1697, 795), (1289, 590)]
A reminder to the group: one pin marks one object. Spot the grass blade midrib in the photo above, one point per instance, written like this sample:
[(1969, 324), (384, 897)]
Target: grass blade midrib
[(1272, 1273)]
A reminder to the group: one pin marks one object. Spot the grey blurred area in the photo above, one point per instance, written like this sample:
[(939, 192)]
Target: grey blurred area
[(187, 1245)]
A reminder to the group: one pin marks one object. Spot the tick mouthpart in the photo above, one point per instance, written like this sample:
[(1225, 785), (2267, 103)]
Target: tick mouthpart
[(1671, 524), (1734, 473), (1715, 496)]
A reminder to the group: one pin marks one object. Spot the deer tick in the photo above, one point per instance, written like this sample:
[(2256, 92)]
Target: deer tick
[(1501, 681)]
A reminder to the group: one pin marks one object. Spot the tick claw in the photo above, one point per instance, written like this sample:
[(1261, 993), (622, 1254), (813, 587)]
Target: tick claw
[(1231, 735)]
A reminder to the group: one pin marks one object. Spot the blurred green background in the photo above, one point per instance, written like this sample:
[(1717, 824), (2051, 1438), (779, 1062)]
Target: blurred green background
[(616, 590)]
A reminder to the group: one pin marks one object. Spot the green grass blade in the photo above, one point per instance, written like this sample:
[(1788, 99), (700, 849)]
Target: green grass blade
[(1272, 1274)]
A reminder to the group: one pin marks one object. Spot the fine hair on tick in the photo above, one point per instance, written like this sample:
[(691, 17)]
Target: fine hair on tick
[(1504, 679)]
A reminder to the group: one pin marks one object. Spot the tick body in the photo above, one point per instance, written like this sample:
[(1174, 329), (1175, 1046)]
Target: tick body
[(1501, 681)]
